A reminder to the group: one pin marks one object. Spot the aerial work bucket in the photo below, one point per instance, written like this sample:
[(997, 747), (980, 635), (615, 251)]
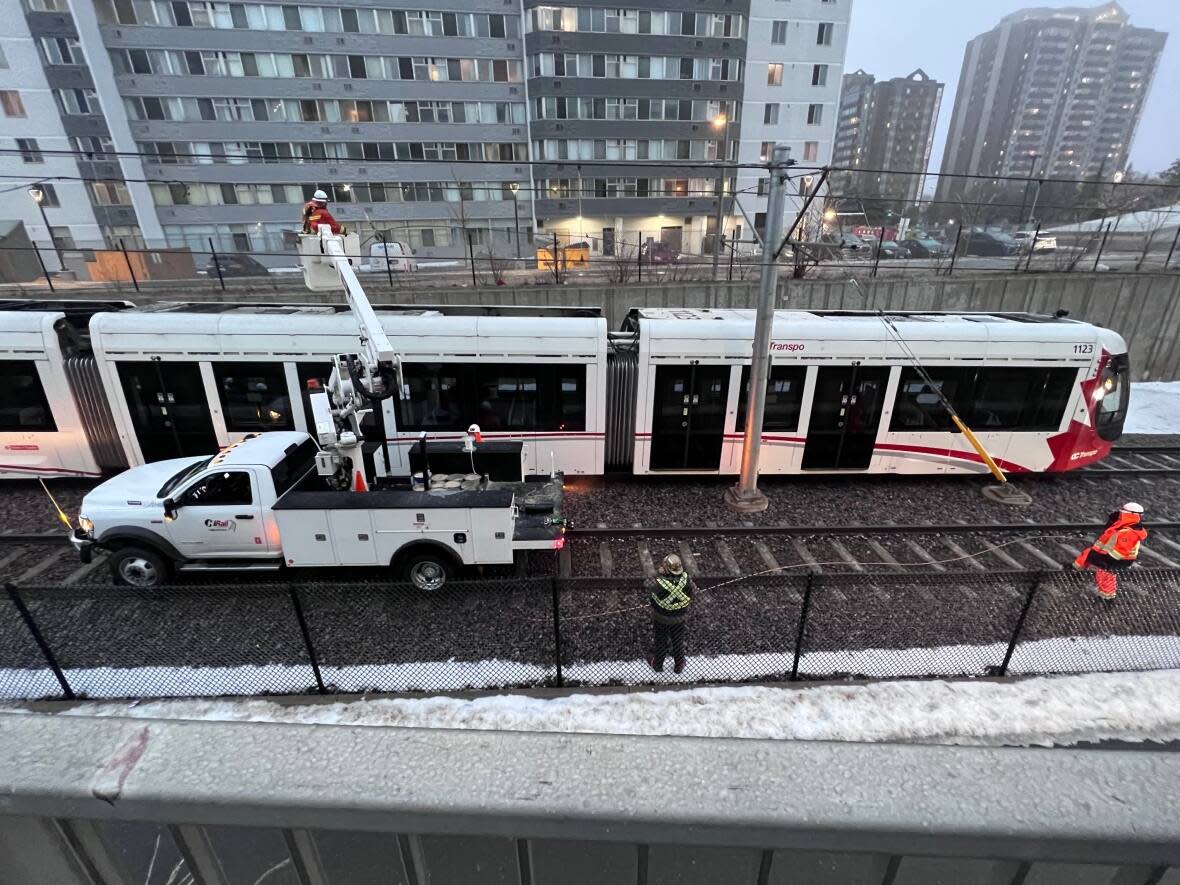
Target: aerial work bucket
[(319, 269)]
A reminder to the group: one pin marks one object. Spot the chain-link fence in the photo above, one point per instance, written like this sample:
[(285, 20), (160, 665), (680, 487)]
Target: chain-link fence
[(208, 639)]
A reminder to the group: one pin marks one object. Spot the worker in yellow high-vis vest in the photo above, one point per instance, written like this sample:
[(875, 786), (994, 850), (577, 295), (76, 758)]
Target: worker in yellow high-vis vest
[(670, 593)]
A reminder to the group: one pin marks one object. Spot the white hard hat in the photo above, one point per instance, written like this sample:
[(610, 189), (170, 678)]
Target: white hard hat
[(1132, 507), (321, 196)]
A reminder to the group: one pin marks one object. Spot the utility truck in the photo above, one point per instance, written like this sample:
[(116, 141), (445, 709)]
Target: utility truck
[(290, 499)]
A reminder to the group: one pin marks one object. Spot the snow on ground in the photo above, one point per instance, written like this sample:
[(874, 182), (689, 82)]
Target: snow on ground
[(1059, 710), (1065, 654), (1155, 408)]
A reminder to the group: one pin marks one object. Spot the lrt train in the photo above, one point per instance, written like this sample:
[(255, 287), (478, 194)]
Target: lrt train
[(92, 388)]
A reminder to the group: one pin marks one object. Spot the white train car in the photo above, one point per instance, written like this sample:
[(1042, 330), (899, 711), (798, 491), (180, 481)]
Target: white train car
[(44, 397), (186, 379), (1042, 393)]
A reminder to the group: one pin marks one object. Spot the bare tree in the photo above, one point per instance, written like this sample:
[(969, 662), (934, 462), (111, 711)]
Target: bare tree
[(620, 267)]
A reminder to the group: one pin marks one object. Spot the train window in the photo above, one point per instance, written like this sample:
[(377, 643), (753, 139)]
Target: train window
[(784, 398), (1020, 398), (1113, 399), (497, 397), (254, 396), (23, 406), (226, 487), (918, 407)]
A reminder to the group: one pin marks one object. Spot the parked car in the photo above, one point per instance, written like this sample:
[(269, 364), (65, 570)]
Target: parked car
[(655, 252), (234, 264), (891, 249), (1045, 242), (846, 243), (989, 244), (927, 247)]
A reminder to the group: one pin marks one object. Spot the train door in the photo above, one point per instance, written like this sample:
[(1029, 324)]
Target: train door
[(688, 418), (845, 414), (169, 409)]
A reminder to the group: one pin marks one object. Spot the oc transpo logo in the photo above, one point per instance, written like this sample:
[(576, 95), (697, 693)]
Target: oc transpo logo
[(221, 525), (788, 346)]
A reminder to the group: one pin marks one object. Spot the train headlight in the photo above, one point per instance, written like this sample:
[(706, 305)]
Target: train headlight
[(86, 524), (1108, 384)]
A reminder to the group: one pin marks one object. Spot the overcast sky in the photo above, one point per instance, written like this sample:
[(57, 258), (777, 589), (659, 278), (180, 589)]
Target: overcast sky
[(890, 38)]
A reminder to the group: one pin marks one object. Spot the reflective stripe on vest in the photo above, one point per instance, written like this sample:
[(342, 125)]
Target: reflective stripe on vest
[(1111, 544), (676, 598)]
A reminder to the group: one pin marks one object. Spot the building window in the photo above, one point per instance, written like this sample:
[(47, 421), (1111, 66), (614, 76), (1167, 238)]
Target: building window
[(29, 151), (49, 198), (763, 187), (3, 60), (815, 114), (778, 32), (765, 151), (819, 75), (10, 101), (62, 238), (77, 101), (823, 34), (770, 115), (109, 193), (810, 151), (49, 5), (774, 74), (62, 51)]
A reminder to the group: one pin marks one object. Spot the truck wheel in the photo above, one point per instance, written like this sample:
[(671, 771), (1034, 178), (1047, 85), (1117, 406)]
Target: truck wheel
[(139, 567), (428, 571)]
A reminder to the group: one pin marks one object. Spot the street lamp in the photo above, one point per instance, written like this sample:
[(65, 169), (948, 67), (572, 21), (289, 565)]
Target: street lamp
[(514, 187), (38, 195), (720, 122)]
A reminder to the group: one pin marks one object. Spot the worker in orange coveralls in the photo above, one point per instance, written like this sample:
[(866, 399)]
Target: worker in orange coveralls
[(315, 213), (1117, 548)]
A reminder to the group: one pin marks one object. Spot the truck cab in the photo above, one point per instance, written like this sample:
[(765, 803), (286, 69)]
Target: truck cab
[(260, 505)]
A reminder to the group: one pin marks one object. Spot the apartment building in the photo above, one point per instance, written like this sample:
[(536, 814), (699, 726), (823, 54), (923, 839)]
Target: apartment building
[(887, 129), (1052, 92), (443, 123)]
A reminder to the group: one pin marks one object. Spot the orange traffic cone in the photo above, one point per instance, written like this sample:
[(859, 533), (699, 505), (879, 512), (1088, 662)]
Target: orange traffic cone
[(358, 484)]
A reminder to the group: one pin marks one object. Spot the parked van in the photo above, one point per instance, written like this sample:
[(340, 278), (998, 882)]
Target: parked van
[(399, 256)]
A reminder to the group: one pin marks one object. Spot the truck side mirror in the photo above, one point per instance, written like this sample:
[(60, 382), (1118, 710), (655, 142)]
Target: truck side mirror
[(170, 508)]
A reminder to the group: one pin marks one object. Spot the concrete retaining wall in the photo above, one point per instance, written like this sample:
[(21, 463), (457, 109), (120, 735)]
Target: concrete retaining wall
[(1142, 307)]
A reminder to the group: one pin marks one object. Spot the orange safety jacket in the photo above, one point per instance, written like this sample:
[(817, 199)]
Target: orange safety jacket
[(1122, 539), (314, 216)]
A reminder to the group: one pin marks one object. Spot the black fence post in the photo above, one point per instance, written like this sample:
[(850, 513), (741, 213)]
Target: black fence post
[(1175, 240), (557, 630), (385, 250), (1032, 247), (130, 269), (1002, 670), (639, 260), (471, 254), (44, 269), (299, 616), (35, 632), (877, 257), (803, 613), (216, 264), (955, 250), (1102, 245)]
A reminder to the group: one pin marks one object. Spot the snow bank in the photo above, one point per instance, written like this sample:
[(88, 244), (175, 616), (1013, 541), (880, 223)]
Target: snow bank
[(1155, 408), (1037, 711)]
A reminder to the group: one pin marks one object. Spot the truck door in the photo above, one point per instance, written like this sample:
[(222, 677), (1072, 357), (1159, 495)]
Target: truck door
[(220, 516)]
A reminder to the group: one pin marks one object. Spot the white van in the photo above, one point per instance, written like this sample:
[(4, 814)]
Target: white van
[(399, 256)]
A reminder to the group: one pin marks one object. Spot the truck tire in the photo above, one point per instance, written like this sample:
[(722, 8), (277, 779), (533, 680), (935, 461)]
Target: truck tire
[(139, 567), (428, 570)]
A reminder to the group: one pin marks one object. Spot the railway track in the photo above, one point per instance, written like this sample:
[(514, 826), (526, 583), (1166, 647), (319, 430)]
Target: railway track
[(1137, 460)]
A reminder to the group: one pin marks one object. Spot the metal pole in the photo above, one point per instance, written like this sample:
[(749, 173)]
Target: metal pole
[(311, 656), (49, 233), (1168, 260), (639, 258), (130, 269), (877, 257), (803, 612), (745, 496), (1032, 213), (557, 631), (731, 251), (471, 256), (31, 626), (1032, 170), (1002, 670), (1032, 247), (385, 250), (955, 251), (556, 268), (516, 225), (1102, 245), (719, 221), (44, 269), (216, 264)]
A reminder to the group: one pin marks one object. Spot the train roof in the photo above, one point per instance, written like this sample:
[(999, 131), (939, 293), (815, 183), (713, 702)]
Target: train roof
[(273, 308), (843, 317)]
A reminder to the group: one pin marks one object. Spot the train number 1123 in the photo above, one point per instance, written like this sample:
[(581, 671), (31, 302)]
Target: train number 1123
[(1083, 348)]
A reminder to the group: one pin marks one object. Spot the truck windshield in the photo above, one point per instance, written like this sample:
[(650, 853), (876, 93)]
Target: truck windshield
[(192, 470), (300, 460)]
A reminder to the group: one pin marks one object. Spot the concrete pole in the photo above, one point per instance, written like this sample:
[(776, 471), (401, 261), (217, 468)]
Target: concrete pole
[(745, 496)]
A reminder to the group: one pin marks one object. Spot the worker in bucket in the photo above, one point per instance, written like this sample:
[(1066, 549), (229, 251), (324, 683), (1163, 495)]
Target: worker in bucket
[(315, 213), (1117, 548), (671, 597)]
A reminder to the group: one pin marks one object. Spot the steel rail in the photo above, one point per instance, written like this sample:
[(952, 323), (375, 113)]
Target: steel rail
[(850, 529)]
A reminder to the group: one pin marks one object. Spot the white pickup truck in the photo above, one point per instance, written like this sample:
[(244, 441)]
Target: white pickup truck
[(260, 505)]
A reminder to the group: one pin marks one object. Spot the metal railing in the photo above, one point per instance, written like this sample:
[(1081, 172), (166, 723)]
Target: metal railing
[(204, 639)]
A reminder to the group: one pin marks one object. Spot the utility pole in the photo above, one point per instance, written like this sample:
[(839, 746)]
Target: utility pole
[(745, 496), (722, 122)]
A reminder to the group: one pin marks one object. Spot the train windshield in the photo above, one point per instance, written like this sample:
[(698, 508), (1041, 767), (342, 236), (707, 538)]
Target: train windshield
[(1113, 397)]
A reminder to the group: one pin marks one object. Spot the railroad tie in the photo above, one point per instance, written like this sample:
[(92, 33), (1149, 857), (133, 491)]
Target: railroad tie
[(606, 560), (43, 565), (806, 556), (964, 556), (924, 555), (727, 557), (689, 559), (564, 564), (82, 571), (1159, 557), (844, 554), (1045, 558), (649, 568), (886, 556), (12, 557), (767, 556), (1005, 558)]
